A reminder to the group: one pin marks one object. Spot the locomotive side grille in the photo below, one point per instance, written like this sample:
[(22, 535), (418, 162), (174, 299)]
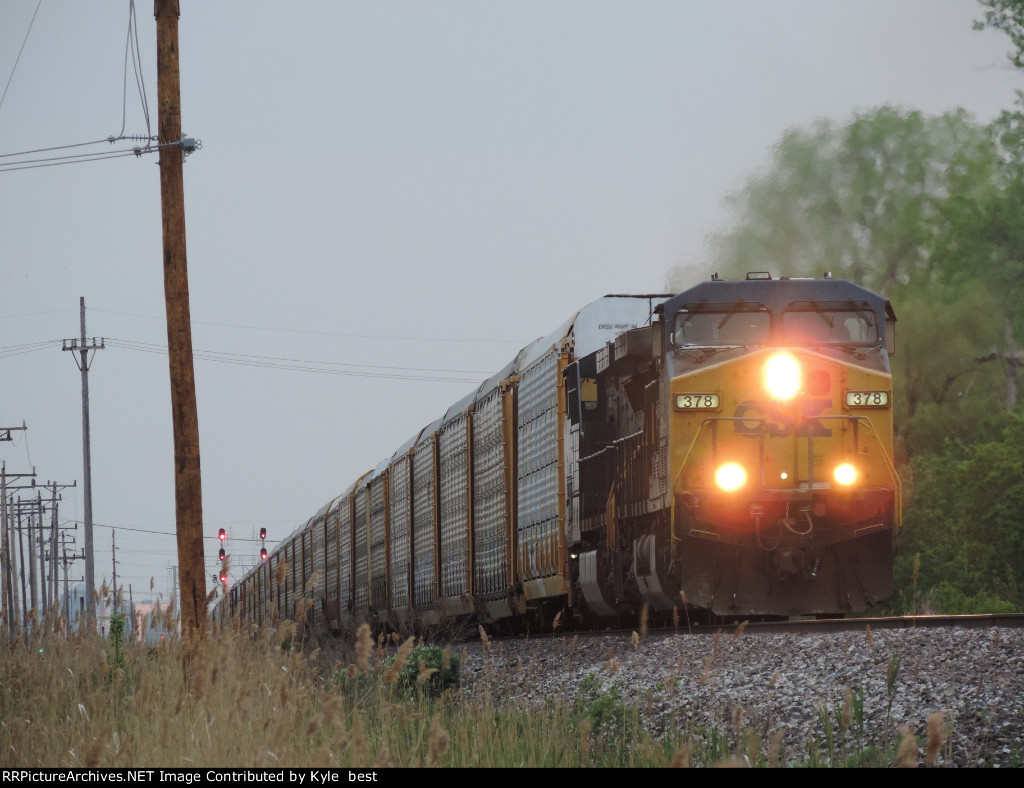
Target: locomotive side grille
[(596, 475)]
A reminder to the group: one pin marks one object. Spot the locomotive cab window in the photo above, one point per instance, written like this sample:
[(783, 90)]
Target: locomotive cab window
[(722, 329), (829, 327)]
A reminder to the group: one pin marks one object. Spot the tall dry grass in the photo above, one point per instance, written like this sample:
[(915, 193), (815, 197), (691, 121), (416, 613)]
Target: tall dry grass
[(248, 697)]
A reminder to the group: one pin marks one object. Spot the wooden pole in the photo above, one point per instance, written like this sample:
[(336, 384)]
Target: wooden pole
[(187, 487)]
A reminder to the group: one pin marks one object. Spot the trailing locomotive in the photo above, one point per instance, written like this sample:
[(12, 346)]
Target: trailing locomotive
[(728, 448)]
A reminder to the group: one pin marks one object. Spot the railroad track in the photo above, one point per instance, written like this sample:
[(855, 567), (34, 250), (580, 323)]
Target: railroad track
[(807, 625), (988, 620)]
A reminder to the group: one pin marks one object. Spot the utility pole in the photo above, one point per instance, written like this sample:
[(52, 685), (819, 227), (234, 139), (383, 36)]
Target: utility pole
[(53, 542), (44, 579), (23, 506), (5, 554), (83, 347), (113, 554), (9, 603), (187, 486), (21, 567)]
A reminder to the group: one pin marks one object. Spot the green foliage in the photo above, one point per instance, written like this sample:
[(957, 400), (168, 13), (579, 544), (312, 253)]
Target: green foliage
[(892, 675), (962, 528), (602, 710), (117, 653), (1007, 16), (428, 658)]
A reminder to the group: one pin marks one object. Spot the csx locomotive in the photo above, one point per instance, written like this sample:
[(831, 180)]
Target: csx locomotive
[(728, 449)]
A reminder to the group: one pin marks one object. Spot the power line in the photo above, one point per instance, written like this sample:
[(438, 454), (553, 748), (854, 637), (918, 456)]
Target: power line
[(277, 329), (31, 347), (276, 362), (518, 342), (57, 161), (131, 48), (295, 364), (60, 147), (133, 53), (133, 529), (36, 314), (18, 58)]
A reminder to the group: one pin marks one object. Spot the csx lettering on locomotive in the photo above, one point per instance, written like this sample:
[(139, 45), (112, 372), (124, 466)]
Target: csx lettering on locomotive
[(780, 422)]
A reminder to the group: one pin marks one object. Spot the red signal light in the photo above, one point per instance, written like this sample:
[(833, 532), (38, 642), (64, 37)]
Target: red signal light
[(263, 554), (222, 535), (263, 533)]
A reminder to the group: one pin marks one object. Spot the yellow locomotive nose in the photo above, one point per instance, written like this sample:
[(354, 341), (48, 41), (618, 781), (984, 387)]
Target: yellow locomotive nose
[(782, 376)]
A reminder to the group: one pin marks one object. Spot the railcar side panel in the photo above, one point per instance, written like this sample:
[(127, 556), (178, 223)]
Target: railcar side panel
[(361, 552), (378, 491), (317, 581), (455, 509), (400, 518), (332, 610), (491, 499), (424, 518), (538, 530), (346, 559)]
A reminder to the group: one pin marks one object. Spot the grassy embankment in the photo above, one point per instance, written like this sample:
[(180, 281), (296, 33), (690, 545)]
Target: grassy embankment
[(261, 699)]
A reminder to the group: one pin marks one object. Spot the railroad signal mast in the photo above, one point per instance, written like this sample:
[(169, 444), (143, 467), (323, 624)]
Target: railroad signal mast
[(223, 555)]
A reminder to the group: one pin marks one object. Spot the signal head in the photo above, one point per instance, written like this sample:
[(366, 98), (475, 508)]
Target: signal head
[(222, 534)]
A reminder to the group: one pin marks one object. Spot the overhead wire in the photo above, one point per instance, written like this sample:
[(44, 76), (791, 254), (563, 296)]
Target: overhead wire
[(347, 335), (18, 58), (131, 48), (132, 52), (29, 347), (56, 161), (309, 365)]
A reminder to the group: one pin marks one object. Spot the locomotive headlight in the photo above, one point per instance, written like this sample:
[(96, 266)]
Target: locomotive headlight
[(782, 376), (845, 474), (730, 476)]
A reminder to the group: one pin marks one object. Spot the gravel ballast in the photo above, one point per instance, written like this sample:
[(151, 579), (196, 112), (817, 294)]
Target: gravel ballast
[(777, 685)]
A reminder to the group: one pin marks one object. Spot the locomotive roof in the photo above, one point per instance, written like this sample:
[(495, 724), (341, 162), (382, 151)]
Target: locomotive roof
[(775, 294)]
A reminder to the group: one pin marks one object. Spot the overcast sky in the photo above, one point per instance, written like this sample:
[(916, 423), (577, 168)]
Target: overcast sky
[(419, 188)]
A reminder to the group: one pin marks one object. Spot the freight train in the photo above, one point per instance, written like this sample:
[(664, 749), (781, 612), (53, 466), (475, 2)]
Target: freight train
[(727, 450)]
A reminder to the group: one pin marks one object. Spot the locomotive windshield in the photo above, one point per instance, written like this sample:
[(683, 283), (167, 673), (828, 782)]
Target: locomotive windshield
[(722, 329), (829, 327)]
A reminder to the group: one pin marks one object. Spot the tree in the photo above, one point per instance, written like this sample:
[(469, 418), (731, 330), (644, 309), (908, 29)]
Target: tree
[(962, 548), (1008, 17), (982, 239), (857, 199)]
